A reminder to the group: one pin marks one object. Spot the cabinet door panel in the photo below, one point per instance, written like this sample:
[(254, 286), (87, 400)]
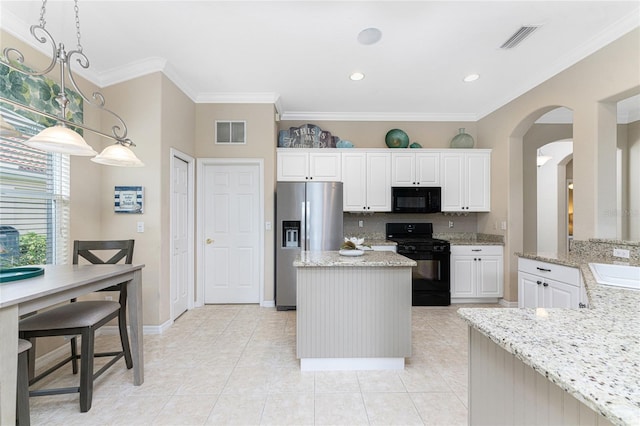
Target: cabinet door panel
[(478, 182), (560, 295), (428, 169), (379, 182), (463, 276), (489, 276), (529, 292), (403, 169), (325, 167), (293, 166), (452, 182), (354, 178)]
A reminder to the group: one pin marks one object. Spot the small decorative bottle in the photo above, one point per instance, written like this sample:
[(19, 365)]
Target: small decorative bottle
[(462, 140)]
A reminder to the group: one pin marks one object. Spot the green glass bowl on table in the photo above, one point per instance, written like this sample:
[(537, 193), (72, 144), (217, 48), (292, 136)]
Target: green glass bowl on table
[(20, 273)]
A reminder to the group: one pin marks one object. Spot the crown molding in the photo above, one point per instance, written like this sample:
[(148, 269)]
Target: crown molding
[(374, 116), (237, 98)]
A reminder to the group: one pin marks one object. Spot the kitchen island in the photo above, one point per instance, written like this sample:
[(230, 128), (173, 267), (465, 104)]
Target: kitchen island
[(557, 366), (353, 312)]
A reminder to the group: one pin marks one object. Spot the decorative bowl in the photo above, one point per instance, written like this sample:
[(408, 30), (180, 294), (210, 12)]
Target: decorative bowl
[(415, 145), (344, 144), (396, 138)]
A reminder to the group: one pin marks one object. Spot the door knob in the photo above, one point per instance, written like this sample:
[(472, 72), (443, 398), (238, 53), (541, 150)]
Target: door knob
[(209, 241)]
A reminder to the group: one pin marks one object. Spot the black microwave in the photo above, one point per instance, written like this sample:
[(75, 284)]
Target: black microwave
[(416, 199)]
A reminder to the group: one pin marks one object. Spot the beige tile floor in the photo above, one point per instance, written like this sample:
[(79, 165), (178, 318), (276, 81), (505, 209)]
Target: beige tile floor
[(236, 364)]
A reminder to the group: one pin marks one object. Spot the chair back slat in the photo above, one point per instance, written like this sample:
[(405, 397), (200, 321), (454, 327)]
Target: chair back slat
[(91, 250)]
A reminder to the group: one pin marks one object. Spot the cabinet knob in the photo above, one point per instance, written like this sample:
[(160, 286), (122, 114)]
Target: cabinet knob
[(209, 241), (538, 282), (545, 284)]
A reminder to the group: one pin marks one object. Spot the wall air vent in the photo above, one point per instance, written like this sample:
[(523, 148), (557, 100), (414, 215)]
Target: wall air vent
[(519, 36), (231, 132)]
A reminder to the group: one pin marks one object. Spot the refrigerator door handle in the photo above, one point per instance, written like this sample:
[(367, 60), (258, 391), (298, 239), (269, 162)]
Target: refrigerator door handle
[(303, 226)]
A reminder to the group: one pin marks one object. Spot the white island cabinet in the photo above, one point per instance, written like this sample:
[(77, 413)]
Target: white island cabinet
[(353, 313), (547, 285)]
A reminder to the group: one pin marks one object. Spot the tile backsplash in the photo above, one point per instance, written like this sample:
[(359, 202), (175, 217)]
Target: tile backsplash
[(373, 225)]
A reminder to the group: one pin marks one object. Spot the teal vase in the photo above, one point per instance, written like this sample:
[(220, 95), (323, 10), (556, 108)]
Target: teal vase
[(462, 140)]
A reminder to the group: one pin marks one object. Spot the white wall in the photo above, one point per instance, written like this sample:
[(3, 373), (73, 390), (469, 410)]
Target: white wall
[(551, 192)]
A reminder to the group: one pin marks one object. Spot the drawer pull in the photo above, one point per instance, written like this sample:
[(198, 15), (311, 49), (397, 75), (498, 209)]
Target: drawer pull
[(543, 269), (476, 249)]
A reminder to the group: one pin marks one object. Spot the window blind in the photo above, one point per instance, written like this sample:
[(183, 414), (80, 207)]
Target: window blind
[(34, 197)]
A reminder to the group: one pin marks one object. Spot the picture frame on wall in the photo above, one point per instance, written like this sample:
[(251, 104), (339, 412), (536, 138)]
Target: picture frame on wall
[(129, 199)]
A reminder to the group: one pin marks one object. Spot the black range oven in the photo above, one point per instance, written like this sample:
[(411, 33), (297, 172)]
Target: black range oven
[(431, 276)]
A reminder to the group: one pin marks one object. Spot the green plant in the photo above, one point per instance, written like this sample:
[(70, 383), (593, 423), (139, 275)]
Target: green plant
[(33, 249)]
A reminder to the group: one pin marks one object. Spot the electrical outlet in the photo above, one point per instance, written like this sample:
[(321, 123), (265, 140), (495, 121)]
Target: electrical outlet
[(621, 253), (140, 227), (503, 225), (360, 223), (450, 224)]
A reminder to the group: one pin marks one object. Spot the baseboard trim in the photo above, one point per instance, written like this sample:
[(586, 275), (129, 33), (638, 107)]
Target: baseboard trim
[(508, 304), (268, 304)]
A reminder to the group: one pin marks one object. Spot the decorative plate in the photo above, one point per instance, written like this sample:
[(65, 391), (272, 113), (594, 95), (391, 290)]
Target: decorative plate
[(20, 273), (350, 252)]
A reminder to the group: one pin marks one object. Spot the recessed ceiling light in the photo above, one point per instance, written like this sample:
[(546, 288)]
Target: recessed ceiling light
[(369, 36), (471, 77), (356, 76)]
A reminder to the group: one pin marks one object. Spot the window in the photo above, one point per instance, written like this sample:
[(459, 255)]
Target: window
[(230, 132), (34, 197)]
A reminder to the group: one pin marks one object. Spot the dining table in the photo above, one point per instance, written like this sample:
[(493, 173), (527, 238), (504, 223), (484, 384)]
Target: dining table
[(60, 283)]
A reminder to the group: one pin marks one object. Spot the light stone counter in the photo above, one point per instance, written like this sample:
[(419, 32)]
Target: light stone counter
[(592, 354), (370, 258)]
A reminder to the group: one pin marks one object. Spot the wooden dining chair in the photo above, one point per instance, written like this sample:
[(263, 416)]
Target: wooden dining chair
[(23, 418), (83, 318)]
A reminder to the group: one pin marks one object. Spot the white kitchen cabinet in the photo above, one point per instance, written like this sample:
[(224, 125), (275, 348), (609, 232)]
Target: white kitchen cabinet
[(547, 285), (301, 165), (415, 168), (366, 177), (476, 273), (465, 176)]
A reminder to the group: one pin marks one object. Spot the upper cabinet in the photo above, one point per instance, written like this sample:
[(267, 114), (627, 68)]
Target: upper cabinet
[(465, 177), (415, 168), (366, 177), (300, 165)]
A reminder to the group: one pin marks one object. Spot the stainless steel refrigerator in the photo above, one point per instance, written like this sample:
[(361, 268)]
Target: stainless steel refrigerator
[(308, 217)]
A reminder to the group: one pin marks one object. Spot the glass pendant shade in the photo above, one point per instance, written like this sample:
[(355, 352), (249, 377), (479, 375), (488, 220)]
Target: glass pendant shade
[(118, 155), (62, 140)]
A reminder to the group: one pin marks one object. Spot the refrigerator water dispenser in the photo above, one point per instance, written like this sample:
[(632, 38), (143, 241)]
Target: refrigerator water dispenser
[(291, 233)]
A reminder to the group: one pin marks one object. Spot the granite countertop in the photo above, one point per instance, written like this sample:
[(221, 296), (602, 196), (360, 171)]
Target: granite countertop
[(368, 259), (594, 353), (470, 238)]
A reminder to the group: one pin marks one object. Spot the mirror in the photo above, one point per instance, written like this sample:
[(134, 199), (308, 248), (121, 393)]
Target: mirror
[(628, 169)]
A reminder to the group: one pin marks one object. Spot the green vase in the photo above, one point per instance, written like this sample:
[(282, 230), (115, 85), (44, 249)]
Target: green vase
[(462, 140)]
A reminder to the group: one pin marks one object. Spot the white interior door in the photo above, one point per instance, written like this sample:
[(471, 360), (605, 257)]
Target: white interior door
[(231, 233), (181, 234)]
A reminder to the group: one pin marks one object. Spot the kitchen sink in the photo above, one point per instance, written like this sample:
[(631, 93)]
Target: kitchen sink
[(623, 276)]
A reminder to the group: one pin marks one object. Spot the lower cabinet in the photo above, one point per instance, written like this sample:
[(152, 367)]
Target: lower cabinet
[(476, 273), (546, 285)]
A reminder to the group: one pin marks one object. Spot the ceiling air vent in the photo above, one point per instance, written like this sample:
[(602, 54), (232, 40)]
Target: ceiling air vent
[(519, 36)]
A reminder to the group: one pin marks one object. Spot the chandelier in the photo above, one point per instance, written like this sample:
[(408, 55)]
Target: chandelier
[(61, 138)]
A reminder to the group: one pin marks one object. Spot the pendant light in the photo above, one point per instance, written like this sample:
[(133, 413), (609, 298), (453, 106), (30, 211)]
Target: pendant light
[(61, 138), (118, 154)]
